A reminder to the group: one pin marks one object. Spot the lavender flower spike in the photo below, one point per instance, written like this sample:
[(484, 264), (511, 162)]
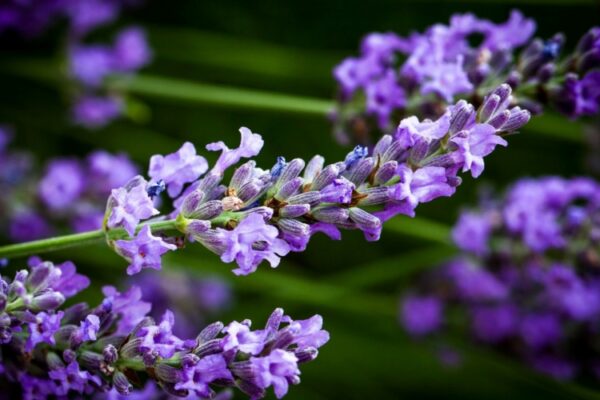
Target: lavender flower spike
[(264, 214), (88, 352)]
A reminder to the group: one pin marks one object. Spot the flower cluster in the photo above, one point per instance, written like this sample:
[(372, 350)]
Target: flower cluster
[(264, 214), (51, 352), (528, 281), (89, 64), (69, 191), (423, 74)]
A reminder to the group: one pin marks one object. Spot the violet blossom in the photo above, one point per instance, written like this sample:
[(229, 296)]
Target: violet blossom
[(264, 214), (527, 282), (94, 352)]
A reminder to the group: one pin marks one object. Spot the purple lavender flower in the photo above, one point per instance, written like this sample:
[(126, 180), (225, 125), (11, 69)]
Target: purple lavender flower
[(87, 15), (95, 112), (239, 336), (447, 80), (89, 327), (383, 97), (251, 242), (421, 315), (29, 18), (354, 73), (479, 142), (129, 306), (66, 280), (87, 220), (472, 232), (42, 328), (91, 64), (196, 377), (339, 191), (250, 145), (540, 330), (36, 388), (309, 333), (411, 131), (513, 33), (73, 378), (131, 50), (62, 184), (422, 186), (130, 204), (570, 294), (28, 225), (144, 251), (493, 324), (475, 283), (159, 339), (109, 171), (277, 369), (177, 169)]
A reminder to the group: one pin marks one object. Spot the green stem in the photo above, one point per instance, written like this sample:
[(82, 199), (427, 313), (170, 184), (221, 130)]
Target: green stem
[(76, 240), (217, 95), (177, 90)]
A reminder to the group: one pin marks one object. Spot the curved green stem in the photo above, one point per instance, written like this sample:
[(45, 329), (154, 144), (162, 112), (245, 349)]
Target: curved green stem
[(76, 240), (219, 95)]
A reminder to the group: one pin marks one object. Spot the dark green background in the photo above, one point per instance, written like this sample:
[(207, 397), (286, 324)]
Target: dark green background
[(290, 48)]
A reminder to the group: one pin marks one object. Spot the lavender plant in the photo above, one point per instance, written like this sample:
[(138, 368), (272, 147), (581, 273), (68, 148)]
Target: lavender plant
[(69, 192), (88, 65), (48, 350), (527, 280), (422, 74), (264, 214)]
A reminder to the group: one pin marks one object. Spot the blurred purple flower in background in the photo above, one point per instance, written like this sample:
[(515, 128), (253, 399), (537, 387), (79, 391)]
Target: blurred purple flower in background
[(93, 105), (424, 73), (528, 282), (69, 192)]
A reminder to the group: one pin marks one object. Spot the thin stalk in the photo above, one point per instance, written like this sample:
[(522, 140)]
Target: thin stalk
[(177, 90), (218, 95), (75, 240)]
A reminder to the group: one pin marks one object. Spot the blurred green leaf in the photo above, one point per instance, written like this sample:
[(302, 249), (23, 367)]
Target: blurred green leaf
[(556, 126), (202, 93), (420, 228), (241, 54), (393, 269)]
